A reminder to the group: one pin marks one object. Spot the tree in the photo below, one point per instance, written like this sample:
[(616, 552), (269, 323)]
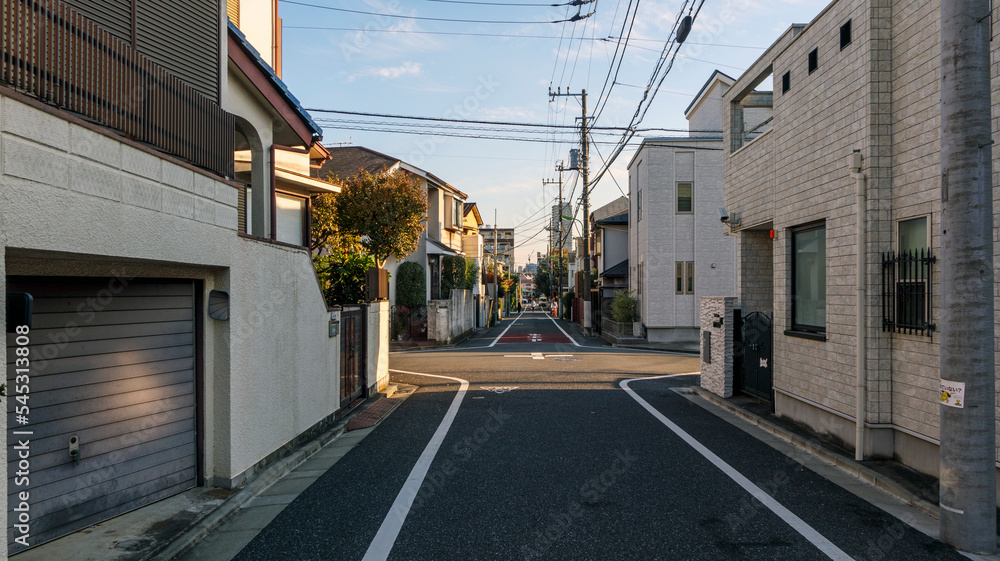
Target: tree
[(411, 285), (624, 307), (471, 274), (453, 271), (342, 276), (385, 211)]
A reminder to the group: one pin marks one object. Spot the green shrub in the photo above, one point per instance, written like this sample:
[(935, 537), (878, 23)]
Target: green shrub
[(411, 285), (343, 277), (471, 274), (566, 308), (452, 274), (624, 307)]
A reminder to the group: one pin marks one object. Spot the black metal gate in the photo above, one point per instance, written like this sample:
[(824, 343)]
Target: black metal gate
[(756, 334), (353, 353)]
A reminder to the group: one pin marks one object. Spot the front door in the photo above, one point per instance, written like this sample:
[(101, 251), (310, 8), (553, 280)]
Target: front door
[(757, 378)]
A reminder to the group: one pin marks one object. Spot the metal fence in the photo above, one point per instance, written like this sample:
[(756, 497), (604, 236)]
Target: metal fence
[(56, 55), (409, 323)]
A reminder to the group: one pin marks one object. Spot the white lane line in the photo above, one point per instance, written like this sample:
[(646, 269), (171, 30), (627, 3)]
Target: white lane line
[(563, 331), (387, 533), (505, 330), (799, 525)]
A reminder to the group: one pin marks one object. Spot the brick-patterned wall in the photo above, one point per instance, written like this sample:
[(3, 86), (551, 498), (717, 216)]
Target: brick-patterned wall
[(717, 375), (757, 271)]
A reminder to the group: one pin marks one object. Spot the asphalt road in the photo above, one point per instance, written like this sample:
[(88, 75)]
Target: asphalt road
[(527, 446)]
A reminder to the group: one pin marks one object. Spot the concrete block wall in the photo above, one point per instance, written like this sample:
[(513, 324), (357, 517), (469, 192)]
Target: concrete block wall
[(717, 321)]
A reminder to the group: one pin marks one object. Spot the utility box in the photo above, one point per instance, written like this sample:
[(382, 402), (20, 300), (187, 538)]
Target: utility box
[(377, 282)]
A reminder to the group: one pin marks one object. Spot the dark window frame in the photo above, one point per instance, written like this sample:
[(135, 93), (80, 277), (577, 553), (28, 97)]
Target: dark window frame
[(819, 330), (690, 198), (813, 60), (786, 82)]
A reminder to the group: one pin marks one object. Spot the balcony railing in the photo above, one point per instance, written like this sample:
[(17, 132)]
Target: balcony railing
[(54, 54)]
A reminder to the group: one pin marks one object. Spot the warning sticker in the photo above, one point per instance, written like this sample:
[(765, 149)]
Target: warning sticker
[(953, 394)]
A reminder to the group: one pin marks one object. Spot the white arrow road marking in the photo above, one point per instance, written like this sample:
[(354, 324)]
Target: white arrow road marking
[(799, 525), (387, 533)]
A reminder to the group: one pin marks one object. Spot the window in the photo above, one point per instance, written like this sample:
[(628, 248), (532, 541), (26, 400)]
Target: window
[(906, 287), (291, 223), (685, 201), (248, 217), (456, 213), (638, 204), (786, 82), (809, 279), (685, 277), (845, 35), (813, 60)]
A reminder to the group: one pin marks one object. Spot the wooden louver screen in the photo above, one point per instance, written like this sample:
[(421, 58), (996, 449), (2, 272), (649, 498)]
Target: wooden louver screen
[(53, 53)]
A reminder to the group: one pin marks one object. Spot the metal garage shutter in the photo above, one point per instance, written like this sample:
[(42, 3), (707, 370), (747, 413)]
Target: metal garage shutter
[(113, 365)]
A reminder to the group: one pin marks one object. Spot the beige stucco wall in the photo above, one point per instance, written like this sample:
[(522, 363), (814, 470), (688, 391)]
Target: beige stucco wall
[(76, 202)]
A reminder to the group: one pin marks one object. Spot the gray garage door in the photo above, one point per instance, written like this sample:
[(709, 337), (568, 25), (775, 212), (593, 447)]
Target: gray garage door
[(112, 364)]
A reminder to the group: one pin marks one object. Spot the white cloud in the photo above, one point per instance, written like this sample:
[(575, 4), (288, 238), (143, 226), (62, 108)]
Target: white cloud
[(390, 72)]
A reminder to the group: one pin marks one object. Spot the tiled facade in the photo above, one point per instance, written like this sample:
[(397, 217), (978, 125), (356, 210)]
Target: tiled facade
[(879, 95)]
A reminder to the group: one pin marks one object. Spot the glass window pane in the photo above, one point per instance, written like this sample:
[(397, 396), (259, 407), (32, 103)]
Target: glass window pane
[(690, 277), (291, 219), (249, 216), (680, 277), (684, 201), (809, 292), (913, 234)]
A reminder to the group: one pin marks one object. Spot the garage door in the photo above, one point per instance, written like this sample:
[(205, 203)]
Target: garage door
[(113, 365)]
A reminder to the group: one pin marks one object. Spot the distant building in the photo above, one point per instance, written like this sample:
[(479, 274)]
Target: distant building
[(504, 240)]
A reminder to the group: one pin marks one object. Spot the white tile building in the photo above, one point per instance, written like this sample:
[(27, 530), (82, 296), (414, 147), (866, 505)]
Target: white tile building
[(863, 76), (678, 250)]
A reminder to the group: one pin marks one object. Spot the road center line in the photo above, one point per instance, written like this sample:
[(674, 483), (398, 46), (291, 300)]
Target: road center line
[(799, 525), (508, 328), (563, 331), (387, 533)]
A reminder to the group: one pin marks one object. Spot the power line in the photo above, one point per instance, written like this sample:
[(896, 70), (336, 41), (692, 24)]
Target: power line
[(577, 17), (501, 4)]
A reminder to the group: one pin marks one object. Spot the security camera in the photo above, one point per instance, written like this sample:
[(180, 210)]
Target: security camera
[(723, 215)]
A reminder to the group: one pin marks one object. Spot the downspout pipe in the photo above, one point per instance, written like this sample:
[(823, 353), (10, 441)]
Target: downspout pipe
[(861, 395)]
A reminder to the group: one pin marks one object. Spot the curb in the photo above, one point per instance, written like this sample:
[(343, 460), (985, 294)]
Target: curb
[(845, 464), (264, 479)]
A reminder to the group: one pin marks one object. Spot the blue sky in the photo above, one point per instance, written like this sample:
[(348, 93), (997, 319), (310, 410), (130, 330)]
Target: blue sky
[(391, 65)]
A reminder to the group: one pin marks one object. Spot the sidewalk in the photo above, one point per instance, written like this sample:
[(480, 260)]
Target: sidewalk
[(225, 519)]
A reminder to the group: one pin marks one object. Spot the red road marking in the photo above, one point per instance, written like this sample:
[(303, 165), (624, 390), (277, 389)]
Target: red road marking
[(533, 338)]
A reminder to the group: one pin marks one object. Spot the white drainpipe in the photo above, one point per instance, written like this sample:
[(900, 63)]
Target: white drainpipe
[(861, 366)]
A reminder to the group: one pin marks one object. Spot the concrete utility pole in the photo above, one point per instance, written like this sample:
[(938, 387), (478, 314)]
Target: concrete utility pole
[(496, 265), (968, 441), (585, 176)]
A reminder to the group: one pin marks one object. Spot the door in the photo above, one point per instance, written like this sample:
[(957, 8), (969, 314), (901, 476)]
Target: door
[(110, 376), (352, 354), (757, 378)]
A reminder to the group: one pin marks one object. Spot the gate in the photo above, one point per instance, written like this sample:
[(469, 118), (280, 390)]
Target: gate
[(756, 334), (353, 353)]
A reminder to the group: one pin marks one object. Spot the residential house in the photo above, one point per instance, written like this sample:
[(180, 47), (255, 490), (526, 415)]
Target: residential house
[(609, 253), (498, 244), (472, 247), (678, 252), (854, 91), (161, 336), (446, 223)]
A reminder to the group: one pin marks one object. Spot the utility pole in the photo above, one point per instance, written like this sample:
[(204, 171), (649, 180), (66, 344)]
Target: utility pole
[(585, 176), (496, 266), (559, 219), (968, 472)]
